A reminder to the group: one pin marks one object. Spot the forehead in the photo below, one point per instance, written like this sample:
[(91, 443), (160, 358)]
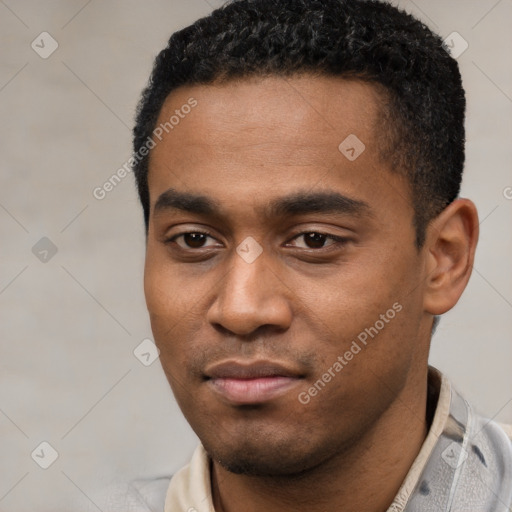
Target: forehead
[(261, 121), (247, 140), (304, 110)]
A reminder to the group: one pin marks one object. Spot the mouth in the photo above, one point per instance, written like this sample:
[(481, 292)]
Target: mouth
[(251, 382)]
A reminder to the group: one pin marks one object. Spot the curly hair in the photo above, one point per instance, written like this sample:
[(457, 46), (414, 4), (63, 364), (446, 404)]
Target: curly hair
[(423, 108)]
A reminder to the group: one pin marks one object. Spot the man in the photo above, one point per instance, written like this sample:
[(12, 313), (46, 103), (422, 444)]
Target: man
[(299, 165)]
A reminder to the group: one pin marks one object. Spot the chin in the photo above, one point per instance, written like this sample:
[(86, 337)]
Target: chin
[(266, 459), (245, 464)]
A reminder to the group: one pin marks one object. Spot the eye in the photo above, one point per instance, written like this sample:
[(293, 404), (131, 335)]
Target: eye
[(310, 240), (191, 240), (317, 240)]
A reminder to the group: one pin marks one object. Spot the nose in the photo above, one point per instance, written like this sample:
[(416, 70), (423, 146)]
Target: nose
[(250, 296)]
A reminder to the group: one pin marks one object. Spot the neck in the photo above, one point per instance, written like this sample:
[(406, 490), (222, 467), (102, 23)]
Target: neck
[(366, 476)]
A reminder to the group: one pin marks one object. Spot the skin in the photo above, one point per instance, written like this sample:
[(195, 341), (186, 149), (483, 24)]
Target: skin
[(301, 303)]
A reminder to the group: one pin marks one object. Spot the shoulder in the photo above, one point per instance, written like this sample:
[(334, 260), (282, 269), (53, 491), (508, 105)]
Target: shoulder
[(507, 429), (138, 496)]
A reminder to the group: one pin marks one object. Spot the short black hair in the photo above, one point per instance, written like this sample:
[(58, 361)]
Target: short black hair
[(422, 119)]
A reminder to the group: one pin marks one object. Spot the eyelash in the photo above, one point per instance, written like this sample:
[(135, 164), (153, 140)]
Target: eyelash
[(337, 240)]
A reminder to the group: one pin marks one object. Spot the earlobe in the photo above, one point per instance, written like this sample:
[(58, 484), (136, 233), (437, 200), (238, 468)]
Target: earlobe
[(450, 251)]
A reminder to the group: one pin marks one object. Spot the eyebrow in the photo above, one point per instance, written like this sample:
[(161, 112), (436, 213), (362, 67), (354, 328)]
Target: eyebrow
[(298, 203)]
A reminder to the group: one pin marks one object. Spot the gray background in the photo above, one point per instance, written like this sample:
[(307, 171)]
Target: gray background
[(69, 325)]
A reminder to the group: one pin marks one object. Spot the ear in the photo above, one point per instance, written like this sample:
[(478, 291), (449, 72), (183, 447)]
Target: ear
[(450, 251)]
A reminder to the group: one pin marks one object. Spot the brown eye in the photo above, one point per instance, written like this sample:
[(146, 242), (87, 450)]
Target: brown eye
[(194, 240), (315, 240), (191, 240)]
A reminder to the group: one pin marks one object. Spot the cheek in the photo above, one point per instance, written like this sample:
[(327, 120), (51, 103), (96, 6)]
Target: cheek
[(351, 296), (167, 306), (370, 311), (168, 295), (175, 303)]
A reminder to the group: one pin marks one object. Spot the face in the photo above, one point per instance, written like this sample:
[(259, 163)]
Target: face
[(282, 278)]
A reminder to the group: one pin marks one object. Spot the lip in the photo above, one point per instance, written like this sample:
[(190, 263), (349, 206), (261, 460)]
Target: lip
[(251, 382)]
